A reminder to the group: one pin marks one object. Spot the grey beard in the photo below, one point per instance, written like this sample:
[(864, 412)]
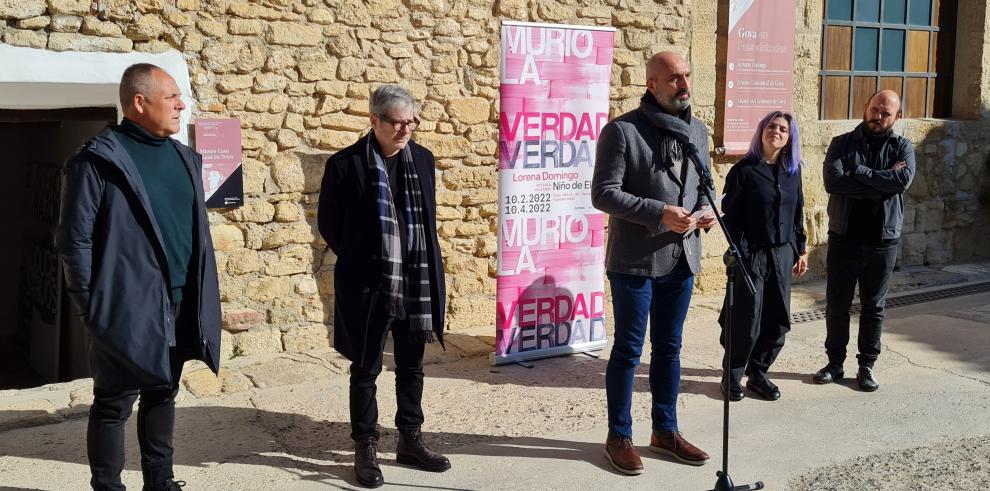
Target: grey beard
[(673, 105)]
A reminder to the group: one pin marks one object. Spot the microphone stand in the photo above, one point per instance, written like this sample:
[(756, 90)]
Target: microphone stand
[(732, 261)]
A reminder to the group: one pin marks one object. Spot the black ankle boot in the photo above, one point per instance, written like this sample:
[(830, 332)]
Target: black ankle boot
[(411, 450), (831, 373), (366, 467)]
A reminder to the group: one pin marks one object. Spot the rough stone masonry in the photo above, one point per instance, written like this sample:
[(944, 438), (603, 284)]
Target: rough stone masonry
[(298, 74)]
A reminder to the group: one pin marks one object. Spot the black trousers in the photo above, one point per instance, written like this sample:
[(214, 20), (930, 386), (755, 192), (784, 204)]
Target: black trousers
[(408, 384), (871, 266), (105, 436), (156, 420), (760, 322)]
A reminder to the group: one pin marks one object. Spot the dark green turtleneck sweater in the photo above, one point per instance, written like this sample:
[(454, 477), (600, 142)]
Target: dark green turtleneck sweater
[(170, 191)]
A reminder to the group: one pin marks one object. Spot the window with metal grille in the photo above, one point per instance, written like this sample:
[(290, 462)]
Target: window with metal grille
[(907, 46)]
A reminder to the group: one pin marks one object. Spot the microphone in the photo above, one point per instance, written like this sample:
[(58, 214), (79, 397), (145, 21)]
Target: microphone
[(692, 152)]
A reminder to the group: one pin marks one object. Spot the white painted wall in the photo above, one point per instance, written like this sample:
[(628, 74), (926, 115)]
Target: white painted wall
[(41, 79)]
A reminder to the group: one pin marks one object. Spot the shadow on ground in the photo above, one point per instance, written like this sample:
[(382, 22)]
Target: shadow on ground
[(581, 371), (308, 448)]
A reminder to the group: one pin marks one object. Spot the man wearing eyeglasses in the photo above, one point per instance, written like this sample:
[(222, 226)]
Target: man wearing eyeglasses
[(377, 213)]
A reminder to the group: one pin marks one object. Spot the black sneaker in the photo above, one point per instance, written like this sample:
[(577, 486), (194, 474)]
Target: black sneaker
[(831, 373), (867, 382), (166, 485)]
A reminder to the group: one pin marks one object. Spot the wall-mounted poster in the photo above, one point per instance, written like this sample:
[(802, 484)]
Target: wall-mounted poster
[(759, 67), (219, 142), (550, 296)]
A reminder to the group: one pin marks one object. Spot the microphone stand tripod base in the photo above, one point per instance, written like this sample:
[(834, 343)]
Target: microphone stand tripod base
[(724, 483)]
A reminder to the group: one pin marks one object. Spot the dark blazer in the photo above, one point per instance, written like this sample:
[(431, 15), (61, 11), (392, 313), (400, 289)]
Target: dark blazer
[(849, 175), (348, 221), (633, 186), (764, 206), (117, 275)]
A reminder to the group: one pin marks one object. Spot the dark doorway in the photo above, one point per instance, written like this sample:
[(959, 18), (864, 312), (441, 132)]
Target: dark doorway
[(41, 338)]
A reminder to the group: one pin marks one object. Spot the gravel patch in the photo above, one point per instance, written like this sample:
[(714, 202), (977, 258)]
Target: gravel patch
[(958, 465)]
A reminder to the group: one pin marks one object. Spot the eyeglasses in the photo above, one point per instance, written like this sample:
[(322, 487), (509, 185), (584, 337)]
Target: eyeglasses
[(399, 125)]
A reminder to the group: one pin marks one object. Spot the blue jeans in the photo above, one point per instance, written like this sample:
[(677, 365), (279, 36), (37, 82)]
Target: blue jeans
[(665, 300)]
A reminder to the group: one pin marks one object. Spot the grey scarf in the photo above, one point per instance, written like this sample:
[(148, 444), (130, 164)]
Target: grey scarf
[(673, 130)]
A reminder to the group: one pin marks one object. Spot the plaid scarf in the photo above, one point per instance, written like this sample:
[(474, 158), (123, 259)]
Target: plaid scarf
[(405, 277)]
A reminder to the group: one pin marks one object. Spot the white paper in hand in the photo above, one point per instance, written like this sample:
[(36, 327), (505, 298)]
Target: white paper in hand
[(687, 233)]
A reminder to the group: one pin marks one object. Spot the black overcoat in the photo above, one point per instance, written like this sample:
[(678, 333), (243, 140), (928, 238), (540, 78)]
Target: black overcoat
[(117, 275), (348, 221)]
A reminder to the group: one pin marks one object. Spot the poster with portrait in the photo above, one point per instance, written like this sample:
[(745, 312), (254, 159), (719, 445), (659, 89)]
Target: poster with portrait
[(219, 142), (550, 297)]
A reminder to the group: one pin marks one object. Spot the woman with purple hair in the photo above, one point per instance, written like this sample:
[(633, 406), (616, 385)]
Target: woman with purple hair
[(763, 207)]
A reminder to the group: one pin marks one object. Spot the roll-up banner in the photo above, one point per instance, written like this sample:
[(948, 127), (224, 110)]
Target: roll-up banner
[(759, 66), (551, 276)]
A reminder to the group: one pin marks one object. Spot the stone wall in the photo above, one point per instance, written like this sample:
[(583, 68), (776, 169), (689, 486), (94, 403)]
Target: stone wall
[(298, 75), (947, 208)]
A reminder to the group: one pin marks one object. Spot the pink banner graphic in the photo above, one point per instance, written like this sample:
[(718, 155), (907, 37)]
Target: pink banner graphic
[(551, 275), (759, 67)]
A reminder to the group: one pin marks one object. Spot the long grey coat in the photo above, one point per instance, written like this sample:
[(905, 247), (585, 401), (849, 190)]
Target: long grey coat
[(633, 189)]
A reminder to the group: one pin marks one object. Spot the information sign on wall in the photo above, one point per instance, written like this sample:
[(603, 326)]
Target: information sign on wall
[(759, 67)]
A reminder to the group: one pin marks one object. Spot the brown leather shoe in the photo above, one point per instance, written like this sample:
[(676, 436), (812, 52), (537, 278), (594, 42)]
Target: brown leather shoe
[(621, 453), (673, 444), (412, 451)]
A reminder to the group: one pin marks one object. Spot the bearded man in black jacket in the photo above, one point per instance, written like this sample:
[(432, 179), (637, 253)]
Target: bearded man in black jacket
[(866, 172)]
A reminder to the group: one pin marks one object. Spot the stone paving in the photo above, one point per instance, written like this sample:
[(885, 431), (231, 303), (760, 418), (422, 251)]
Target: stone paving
[(55, 402), (280, 421)]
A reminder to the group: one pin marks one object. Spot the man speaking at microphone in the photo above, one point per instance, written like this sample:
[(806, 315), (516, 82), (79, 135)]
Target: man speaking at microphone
[(645, 180)]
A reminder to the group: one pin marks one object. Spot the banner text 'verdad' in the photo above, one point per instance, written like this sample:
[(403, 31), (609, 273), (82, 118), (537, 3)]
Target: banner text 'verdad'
[(541, 140), (547, 322)]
